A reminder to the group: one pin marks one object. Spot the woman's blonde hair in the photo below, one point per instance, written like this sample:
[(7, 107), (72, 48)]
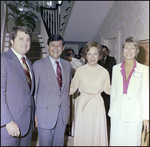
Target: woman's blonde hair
[(131, 40)]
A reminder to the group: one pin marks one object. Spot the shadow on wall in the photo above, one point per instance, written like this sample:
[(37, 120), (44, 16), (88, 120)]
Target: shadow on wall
[(143, 56)]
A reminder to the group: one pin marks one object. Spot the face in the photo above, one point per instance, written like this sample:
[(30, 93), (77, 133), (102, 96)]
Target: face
[(55, 49), (105, 53), (92, 56), (129, 51), (70, 53), (21, 43)]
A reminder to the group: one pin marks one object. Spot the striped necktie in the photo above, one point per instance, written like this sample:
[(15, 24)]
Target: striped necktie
[(59, 75), (26, 70)]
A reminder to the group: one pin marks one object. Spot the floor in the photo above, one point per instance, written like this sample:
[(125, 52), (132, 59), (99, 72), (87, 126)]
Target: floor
[(34, 142)]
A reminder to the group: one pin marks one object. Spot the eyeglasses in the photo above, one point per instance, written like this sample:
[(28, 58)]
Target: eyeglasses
[(70, 54)]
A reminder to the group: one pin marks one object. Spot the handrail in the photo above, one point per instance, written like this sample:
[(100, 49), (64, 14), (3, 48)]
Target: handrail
[(52, 8), (51, 19)]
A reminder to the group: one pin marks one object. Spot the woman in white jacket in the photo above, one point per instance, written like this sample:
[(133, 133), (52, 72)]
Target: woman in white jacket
[(129, 106)]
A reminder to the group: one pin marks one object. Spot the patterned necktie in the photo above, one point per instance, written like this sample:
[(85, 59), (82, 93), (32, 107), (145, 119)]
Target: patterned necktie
[(59, 76), (26, 70)]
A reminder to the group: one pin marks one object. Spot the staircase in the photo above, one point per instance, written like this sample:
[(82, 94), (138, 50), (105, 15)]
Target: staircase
[(37, 48)]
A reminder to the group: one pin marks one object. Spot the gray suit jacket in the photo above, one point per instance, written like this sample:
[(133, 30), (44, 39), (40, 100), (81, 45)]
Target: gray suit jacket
[(17, 102), (48, 96)]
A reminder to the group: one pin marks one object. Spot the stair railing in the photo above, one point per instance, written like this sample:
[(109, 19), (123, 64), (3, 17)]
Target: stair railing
[(55, 19), (51, 19)]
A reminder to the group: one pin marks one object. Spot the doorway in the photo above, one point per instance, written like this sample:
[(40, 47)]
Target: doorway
[(114, 44)]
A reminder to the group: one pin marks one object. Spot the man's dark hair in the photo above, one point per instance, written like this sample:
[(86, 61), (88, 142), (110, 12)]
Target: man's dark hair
[(55, 37), (103, 46), (69, 50), (14, 31)]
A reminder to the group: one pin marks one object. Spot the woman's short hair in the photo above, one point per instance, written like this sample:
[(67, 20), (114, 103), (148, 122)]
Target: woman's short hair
[(87, 47), (131, 40)]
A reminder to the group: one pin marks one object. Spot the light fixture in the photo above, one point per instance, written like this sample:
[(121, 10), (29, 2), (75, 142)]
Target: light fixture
[(22, 7)]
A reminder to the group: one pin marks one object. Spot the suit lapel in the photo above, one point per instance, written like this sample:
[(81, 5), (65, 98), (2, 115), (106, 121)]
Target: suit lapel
[(64, 74), (120, 77), (16, 65), (51, 76), (133, 80), (31, 69)]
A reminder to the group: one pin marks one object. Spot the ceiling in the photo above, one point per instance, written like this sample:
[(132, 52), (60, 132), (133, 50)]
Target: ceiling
[(85, 19)]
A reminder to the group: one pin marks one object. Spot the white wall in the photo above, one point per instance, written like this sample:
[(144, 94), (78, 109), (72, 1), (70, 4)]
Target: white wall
[(131, 18), (3, 18)]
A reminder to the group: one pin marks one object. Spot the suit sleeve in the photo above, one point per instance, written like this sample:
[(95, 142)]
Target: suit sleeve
[(113, 85), (75, 82), (106, 85), (145, 93), (114, 62), (6, 115), (36, 71)]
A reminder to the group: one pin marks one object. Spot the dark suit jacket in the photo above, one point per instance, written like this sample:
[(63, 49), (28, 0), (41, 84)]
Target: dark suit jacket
[(109, 63), (16, 97), (48, 96)]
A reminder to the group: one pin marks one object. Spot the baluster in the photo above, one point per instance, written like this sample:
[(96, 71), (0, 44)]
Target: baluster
[(53, 21), (48, 22), (56, 21), (51, 18)]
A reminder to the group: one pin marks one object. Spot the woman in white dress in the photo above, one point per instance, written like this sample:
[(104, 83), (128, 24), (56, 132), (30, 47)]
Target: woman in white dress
[(90, 119)]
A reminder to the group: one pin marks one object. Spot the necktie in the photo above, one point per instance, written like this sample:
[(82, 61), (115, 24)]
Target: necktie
[(59, 75), (103, 62), (26, 70)]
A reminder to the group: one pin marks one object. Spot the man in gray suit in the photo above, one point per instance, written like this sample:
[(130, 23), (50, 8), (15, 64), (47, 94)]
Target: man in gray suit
[(17, 103), (52, 100)]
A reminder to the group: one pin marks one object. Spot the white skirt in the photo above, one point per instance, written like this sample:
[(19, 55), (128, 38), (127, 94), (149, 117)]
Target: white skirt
[(125, 133)]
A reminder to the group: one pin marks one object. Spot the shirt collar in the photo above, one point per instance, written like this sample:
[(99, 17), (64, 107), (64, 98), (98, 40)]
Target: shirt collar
[(122, 65), (53, 61), (18, 55)]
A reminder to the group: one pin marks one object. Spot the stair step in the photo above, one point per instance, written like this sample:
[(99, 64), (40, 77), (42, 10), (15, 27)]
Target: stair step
[(65, 16), (37, 48), (67, 9), (35, 54), (33, 59), (63, 23), (35, 43), (7, 35)]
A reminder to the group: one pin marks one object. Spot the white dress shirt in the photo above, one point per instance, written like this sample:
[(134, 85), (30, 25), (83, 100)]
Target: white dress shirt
[(20, 59)]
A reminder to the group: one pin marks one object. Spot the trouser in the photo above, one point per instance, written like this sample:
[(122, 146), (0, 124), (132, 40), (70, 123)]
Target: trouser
[(17, 141), (55, 136), (106, 99)]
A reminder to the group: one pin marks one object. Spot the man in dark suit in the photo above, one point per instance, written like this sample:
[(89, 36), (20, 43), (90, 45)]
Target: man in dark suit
[(17, 105), (107, 62), (52, 100)]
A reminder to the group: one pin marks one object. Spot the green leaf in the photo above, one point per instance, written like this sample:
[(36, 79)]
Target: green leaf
[(22, 18)]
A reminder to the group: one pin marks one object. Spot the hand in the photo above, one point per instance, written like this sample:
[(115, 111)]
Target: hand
[(13, 129), (146, 125), (35, 123)]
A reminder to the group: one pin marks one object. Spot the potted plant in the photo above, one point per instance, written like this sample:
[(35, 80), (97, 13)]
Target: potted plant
[(21, 15)]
